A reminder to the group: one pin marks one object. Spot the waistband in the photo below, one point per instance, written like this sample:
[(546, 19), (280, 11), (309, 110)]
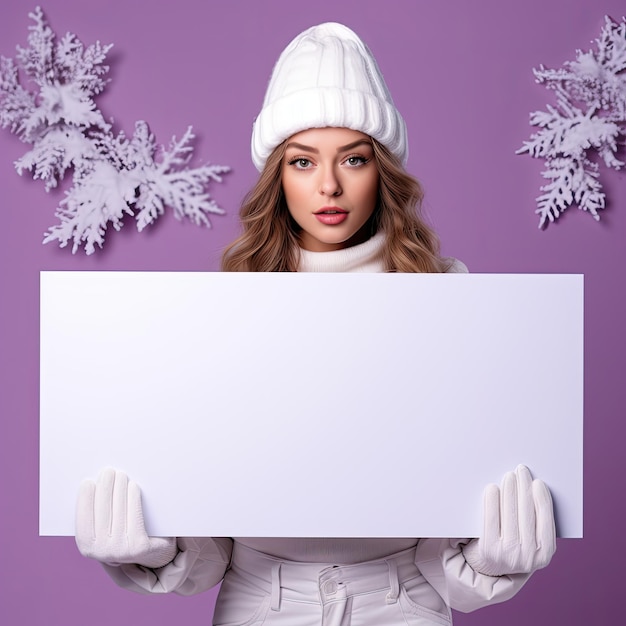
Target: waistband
[(323, 582)]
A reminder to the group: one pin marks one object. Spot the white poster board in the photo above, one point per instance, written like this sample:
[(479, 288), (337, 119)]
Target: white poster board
[(295, 405)]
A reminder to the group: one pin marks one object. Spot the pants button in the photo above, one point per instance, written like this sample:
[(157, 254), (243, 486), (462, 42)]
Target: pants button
[(330, 586)]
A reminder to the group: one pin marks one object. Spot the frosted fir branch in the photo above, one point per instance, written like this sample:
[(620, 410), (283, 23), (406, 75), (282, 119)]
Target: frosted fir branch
[(102, 199), (58, 151), (112, 176), (556, 125), (182, 191), (48, 62), (590, 117), (587, 82), (37, 59), (66, 77), (612, 45), (572, 181), (179, 152), (595, 78), (123, 178), (170, 182), (82, 68), (16, 103)]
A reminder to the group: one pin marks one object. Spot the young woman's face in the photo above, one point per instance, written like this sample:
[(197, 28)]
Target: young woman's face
[(330, 182)]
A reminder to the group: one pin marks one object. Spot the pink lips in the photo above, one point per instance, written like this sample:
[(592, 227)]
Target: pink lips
[(331, 216)]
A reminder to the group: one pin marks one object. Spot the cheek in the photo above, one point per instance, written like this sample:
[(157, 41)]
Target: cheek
[(370, 193), (293, 190), (285, 183)]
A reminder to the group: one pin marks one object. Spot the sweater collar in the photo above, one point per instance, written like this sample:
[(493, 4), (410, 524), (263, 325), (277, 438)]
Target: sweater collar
[(364, 257)]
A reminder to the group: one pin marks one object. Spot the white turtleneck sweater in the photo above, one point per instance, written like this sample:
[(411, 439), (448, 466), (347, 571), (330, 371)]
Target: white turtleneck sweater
[(365, 257)]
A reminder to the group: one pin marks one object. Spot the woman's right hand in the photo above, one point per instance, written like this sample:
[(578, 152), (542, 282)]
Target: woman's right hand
[(110, 526)]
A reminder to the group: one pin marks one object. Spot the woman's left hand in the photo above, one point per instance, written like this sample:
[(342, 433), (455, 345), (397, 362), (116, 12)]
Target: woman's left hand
[(519, 533)]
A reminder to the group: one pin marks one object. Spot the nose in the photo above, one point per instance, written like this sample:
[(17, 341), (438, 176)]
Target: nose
[(329, 184)]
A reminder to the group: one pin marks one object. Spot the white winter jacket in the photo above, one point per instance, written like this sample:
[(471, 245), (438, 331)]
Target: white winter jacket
[(202, 562)]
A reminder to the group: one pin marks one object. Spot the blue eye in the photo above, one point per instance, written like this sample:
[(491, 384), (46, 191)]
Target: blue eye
[(300, 163), (356, 161)]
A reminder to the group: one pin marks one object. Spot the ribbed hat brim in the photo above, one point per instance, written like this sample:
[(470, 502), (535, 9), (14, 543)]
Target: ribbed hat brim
[(328, 106)]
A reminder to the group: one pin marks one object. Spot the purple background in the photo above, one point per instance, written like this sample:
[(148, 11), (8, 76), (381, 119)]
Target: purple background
[(460, 72)]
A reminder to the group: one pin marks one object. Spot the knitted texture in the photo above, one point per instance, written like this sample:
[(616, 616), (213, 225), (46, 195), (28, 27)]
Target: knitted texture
[(364, 257), (325, 77)]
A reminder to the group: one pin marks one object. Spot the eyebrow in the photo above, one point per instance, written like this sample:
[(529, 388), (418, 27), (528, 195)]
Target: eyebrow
[(350, 146)]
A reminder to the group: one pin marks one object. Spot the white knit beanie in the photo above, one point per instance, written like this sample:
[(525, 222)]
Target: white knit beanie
[(327, 76)]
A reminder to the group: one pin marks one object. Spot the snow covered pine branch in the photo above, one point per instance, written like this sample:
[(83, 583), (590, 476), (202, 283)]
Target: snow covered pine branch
[(590, 115), (112, 175)]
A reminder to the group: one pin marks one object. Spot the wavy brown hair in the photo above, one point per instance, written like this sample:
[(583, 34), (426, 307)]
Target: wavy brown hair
[(269, 242)]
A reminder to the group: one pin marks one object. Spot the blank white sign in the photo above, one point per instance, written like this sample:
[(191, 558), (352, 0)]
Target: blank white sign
[(288, 404)]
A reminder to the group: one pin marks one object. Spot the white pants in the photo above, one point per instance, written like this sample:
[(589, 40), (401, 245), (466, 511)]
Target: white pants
[(260, 589)]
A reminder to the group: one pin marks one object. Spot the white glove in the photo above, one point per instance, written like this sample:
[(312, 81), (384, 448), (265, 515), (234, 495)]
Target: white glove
[(110, 526), (519, 534)]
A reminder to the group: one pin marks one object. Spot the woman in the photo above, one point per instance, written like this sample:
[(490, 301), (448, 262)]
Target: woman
[(333, 195)]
